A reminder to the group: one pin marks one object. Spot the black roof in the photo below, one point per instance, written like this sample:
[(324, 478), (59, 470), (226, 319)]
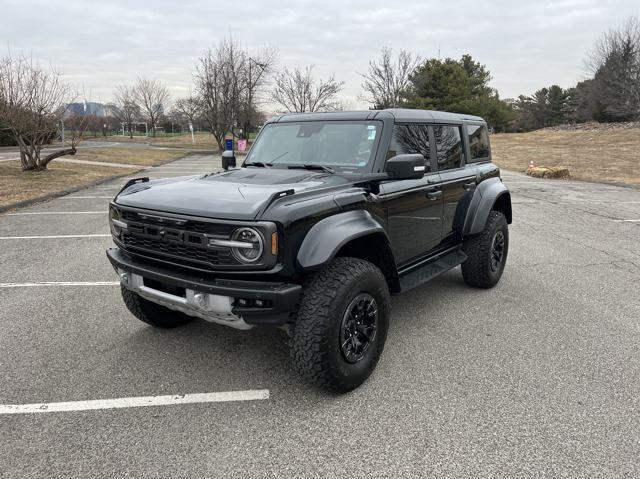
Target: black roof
[(399, 114)]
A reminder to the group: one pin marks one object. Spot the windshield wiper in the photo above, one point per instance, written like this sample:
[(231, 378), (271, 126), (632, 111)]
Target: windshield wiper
[(308, 166), (279, 156), (258, 163)]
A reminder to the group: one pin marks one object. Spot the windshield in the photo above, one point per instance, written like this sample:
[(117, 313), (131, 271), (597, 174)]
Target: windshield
[(347, 145)]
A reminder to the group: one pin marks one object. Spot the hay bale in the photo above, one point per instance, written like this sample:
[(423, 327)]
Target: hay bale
[(553, 172)]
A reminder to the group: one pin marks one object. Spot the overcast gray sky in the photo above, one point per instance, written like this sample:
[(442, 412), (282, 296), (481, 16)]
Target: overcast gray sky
[(525, 44)]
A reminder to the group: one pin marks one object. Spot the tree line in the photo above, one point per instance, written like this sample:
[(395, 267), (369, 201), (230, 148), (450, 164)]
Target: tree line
[(611, 94), (232, 86)]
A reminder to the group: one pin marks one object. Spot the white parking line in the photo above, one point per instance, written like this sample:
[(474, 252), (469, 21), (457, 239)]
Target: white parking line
[(143, 401), (627, 221), (84, 197), (60, 213), (51, 237), (59, 283)]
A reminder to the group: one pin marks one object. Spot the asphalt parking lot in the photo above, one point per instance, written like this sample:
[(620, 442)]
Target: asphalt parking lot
[(538, 377)]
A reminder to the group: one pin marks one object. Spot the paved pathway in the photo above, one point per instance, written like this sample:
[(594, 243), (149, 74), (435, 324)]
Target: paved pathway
[(538, 377)]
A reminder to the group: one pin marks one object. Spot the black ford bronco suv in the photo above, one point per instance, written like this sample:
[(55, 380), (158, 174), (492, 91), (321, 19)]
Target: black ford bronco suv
[(329, 214)]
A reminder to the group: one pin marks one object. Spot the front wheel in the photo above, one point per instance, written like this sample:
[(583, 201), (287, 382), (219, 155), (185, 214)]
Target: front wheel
[(341, 325), (487, 253)]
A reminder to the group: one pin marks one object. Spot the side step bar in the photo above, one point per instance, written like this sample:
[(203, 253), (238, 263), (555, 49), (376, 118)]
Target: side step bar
[(431, 268)]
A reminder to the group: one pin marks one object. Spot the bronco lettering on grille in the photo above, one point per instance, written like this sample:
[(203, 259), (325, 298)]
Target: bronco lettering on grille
[(169, 235)]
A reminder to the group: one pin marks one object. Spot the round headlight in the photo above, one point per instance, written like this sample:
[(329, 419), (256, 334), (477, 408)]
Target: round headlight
[(114, 218), (252, 252)]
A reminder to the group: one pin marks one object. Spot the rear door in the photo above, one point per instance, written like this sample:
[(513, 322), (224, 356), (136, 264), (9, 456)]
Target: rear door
[(414, 207), (458, 181)]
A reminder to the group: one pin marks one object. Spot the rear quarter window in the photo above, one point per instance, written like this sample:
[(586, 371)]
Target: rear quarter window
[(478, 142)]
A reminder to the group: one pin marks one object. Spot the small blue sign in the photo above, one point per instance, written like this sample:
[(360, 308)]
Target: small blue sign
[(228, 144)]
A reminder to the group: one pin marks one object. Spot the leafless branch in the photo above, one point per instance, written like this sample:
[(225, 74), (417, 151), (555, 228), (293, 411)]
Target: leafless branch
[(298, 92), (228, 81), (151, 96), (128, 109), (386, 80), (32, 103)]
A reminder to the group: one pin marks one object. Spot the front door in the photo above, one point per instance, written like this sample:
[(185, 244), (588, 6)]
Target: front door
[(414, 207)]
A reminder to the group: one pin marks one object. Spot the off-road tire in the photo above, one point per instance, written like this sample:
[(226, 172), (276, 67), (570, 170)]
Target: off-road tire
[(152, 313), (477, 269), (315, 348)]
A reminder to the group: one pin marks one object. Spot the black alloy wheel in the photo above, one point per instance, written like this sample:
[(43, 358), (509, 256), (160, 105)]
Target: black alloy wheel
[(358, 328), (497, 251)]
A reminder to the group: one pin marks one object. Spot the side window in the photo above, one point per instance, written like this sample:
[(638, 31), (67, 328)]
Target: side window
[(410, 138), (448, 146), (478, 142)]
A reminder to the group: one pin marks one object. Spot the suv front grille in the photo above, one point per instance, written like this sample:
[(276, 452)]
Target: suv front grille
[(212, 257), (180, 241), (186, 241), (189, 225)]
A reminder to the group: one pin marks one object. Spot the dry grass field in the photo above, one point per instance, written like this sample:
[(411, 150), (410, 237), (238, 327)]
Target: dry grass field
[(134, 156), (203, 141), (601, 155), (17, 185)]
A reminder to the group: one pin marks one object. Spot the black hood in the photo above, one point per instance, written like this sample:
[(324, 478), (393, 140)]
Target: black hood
[(237, 194)]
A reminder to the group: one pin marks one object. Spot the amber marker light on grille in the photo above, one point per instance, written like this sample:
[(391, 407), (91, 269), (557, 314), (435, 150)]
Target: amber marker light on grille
[(274, 244)]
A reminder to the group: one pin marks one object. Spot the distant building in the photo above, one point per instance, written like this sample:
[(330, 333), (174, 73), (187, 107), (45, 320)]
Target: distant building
[(92, 108)]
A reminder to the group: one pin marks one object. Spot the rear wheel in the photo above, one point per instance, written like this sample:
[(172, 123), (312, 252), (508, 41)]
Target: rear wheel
[(341, 325), (152, 313), (487, 253)]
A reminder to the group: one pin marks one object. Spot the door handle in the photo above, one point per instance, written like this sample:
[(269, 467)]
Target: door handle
[(434, 195), (468, 186)]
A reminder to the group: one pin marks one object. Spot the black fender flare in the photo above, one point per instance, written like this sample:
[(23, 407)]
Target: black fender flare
[(486, 195), (328, 235)]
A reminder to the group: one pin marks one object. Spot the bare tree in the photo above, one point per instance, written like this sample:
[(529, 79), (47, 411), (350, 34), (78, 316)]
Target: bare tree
[(151, 96), (32, 108), (387, 80), (189, 108), (298, 92), (76, 126), (228, 83), (128, 109), (255, 73), (615, 64), (219, 84)]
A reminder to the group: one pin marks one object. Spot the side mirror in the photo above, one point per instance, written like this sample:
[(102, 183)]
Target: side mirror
[(228, 159), (406, 167)]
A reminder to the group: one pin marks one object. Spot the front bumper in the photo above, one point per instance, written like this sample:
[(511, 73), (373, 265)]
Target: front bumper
[(211, 299)]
